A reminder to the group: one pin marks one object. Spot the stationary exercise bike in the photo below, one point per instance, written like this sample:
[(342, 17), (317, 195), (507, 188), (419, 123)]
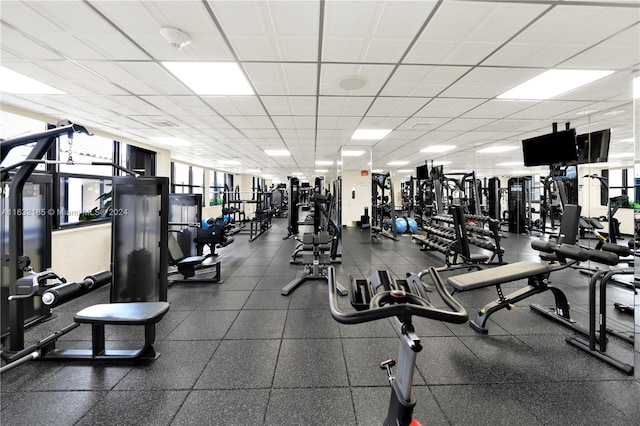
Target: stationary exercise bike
[(381, 296)]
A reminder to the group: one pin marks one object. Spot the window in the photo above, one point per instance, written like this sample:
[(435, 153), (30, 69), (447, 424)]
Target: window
[(186, 179), (217, 182), (83, 189), (83, 198), (620, 183), (14, 126)]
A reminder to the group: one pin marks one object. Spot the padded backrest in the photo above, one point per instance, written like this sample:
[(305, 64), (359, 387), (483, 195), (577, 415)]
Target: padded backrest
[(569, 224), (175, 252)]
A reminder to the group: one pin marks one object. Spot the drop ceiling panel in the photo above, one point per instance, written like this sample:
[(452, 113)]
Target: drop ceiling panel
[(464, 33), (422, 81), (343, 106), (337, 122), (488, 82), (381, 122), (618, 52), (283, 78), (550, 109), (23, 46), (448, 107), (396, 106), (235, 105), (578, 25), (271, 31), (193, 104), (294, 105), (371, 31), (465, 124), (539, 56), (497, 108)]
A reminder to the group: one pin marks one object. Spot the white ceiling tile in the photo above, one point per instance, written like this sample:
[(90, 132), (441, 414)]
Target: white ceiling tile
[(448, 107), (464, 33), (371, 31), (281, 31), (488, 82), (337, 122), (344, 106), (619, 52), (465, 124), (498, 108), (425, 81), (562, 33), (381, 122), (397, 106), (294, 105), (283, 79)]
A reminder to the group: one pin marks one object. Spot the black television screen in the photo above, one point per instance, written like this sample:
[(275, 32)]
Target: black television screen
[(422, 173), (553, 148), (304, 185), (593, 147)]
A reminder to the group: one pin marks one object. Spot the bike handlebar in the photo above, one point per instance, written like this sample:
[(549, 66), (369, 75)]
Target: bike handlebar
[(397, 304)]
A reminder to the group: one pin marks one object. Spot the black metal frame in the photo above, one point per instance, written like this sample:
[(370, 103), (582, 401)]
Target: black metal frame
[(380, 297), (16, 260)]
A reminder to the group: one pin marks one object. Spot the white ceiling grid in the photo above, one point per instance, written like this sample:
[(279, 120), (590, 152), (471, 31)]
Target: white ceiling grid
[(432, 69)]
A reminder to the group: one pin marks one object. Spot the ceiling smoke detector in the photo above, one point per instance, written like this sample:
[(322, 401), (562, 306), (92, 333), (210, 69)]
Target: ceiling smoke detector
[(176, 38)]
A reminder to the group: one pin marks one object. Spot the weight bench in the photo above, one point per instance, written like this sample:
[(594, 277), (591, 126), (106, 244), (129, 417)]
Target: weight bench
[(134, 313), (187, 264), (537, 275)]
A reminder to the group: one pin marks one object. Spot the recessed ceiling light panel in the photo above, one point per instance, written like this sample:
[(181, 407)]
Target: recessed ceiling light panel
[(352, 153), (13, 82), (370, 134), (553, 83), (496, 149), (438, 148), (211, 78), (277, 152)]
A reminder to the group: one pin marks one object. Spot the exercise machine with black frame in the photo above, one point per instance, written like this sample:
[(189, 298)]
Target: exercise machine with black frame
[(31, 288), (380, 296)]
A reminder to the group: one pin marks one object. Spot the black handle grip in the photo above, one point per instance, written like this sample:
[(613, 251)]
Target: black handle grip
[(65, 292), (379, 310)]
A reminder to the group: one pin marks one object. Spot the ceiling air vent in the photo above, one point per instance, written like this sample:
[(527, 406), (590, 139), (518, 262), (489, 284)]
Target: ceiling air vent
[(163, 124), (422, 125)]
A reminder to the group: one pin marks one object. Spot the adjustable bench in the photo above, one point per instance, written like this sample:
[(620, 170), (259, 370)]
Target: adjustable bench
[(134, 313), (537, 275)]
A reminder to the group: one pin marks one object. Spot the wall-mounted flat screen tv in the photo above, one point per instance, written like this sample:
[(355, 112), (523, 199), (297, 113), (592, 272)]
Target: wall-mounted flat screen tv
[(558, 148)]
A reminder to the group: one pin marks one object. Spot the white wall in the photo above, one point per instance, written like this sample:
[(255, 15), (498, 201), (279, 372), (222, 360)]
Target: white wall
[(353, 208), (78, 252)]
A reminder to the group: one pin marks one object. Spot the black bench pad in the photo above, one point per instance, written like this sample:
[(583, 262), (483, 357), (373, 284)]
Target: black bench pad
[(134, 313), (497, 275)]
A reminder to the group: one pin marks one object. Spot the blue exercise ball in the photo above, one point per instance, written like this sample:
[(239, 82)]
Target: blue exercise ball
[(413, 225), (401, 225)]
